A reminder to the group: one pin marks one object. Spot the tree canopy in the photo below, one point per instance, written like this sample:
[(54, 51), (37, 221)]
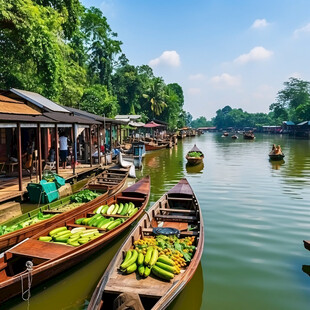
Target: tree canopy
[(71, 55)]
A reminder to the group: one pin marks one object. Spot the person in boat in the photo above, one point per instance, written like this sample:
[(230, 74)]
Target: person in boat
[(278, 150), (273, 150)]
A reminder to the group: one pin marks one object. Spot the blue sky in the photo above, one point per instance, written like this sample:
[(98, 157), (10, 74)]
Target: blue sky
[(221, 52)]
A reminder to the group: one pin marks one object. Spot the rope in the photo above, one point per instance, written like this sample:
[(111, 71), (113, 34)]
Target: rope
[(29, 266)]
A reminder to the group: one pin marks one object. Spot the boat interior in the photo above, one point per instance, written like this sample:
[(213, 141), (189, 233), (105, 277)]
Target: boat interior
[(178, 211), (13, 261)]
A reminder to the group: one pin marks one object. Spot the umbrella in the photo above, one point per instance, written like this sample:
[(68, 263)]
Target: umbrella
[(151, 125)]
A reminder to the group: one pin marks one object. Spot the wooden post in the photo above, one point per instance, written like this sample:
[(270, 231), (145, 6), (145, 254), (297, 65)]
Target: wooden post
[(99, 144), (56, 148), (111, 145), (39, 151), (19, 154), (120, 134), (90, 154), (74, 150)]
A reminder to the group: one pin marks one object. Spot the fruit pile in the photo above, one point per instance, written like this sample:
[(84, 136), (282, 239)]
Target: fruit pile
[(74, 237), (163, 256), (127, 209), (100, 221)]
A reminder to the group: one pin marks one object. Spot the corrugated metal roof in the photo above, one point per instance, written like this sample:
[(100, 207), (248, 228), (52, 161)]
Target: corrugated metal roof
[(132, 117), (39, 100), (289, 123), (85, 113), (11, 106), (304, 123), (70, 118)]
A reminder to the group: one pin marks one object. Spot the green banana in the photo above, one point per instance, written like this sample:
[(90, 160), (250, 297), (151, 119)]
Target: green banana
[(147, 271), (131, 268), (161, 273), (131, 260), (148, 255), (154, 258), (140, 259), (141, 270)]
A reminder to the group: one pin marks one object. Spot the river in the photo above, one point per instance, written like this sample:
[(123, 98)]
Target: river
[(256, 214)]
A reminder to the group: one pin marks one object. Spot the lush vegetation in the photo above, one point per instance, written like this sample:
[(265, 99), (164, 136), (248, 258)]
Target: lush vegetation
[(70, 54)]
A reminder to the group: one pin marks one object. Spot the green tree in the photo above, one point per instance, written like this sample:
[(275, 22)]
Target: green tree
[(102, 46), (156, 95), (293, 101), (97, 99)]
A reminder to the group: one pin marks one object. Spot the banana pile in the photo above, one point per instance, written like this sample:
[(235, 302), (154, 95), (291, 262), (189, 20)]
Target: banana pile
[(127, 209), (158, 255), (74, 237)]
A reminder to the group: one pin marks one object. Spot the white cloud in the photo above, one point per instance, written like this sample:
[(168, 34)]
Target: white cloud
[(226, 79), (296, 75), (194, 91), (195, 77), (305, 29), (257, 53), (259, 23), (167, 58)]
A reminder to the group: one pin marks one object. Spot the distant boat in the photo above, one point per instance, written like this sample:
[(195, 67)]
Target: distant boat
[(234, 137), (307, 244), (249, 136), (225, 134), (194, 156)]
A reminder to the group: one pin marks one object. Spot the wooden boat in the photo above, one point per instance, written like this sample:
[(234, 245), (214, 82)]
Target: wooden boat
[(50, 259), (111, 179), (194, 160), (12, 238), (151, 146), (248, 135), (234, 137), (174, 210), (307, 244), (276, 156), (225, 134)]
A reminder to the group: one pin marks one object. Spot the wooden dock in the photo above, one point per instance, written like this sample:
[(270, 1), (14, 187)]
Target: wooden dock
[(9, 185)]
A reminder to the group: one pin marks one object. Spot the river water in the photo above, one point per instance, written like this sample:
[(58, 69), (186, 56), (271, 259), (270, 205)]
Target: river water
[(256, 214)]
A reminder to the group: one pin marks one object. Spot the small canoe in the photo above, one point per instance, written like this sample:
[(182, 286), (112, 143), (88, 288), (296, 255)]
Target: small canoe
[(276, 156), (177, 211), (225, 134), (49, 259), (111, 180), (307, 244), (194, 160), (234, 137), (151, 146)]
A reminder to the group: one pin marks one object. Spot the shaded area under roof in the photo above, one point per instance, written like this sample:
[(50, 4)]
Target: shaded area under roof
[(39, 100)]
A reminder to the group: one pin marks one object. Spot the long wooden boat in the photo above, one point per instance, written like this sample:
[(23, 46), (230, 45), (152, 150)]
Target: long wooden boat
[(10, 239), (153, 147), (194, 160), (307, 244), (276, 156), (49, 259), (177, 210), (111, 179)]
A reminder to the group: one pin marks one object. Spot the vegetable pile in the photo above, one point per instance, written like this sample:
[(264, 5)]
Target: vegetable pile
[(74, 237), (194, 154), (39, 217), (163, 256), (84, 196)]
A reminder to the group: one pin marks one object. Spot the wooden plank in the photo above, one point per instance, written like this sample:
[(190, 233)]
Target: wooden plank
[(180, 199), (177, 210), (130, 198), (176, 218), (40, 249)]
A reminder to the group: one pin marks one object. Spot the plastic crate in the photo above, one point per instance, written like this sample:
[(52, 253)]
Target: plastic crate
[(50, 191)]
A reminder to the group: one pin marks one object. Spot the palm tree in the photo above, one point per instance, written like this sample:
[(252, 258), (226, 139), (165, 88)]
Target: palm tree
[(156, 95)]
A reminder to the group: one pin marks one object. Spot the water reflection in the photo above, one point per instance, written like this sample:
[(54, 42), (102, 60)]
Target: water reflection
[(276, 164), (306, 269), (194, 169), (191, 297)]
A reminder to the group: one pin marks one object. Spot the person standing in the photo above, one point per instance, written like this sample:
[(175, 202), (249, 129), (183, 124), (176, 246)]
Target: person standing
[(63, 149)]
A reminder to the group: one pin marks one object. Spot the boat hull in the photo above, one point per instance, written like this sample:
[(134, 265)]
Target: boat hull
[(44, 270), (150, 147), (193, 161), (276, 157)]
